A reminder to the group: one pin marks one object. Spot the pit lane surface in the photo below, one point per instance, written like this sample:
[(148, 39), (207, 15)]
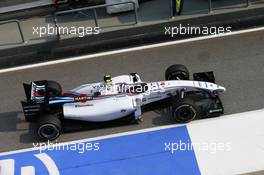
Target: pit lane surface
[(236, 60)]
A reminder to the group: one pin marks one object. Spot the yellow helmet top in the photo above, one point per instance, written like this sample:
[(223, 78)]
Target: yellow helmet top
[(108, 78)]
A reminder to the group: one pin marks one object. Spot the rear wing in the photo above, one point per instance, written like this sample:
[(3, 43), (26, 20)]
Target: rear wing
[(36, 91), (36, 99)]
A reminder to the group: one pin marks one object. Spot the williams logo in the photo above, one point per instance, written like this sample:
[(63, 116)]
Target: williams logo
[(7, 166)]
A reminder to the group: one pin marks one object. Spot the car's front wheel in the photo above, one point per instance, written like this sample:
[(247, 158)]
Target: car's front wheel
[(177, 72), (49, 127), (184, 110)]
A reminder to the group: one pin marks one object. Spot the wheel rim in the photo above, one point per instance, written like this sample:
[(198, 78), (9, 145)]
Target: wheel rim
[(48, 131), (185, 113)]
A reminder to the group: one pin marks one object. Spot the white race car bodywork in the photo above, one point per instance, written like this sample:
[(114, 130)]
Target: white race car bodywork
[(116, 99)]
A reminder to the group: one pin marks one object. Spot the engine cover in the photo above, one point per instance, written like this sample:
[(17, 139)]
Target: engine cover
[(100, 110)]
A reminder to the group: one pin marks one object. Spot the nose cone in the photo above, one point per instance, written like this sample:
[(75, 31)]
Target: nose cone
[(221, 89)]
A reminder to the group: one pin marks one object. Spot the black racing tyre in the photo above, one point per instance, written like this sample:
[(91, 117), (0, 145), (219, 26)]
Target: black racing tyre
[(53, 88), (49, 127), (177, 72), (184, 110)]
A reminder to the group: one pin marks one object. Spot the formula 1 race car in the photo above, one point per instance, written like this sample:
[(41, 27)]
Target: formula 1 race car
[(119, 97)]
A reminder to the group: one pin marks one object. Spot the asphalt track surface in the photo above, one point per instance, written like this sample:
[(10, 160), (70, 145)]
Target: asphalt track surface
[(236, 60)]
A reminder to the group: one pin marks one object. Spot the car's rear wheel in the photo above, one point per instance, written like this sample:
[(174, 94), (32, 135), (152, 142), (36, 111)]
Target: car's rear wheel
[(184, 110), (49, 127), (54, 88), (177, 72)]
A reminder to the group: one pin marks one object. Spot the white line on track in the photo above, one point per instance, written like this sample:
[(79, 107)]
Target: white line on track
[(235, 144), (98, 138), (84, 57), (133, 132)]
